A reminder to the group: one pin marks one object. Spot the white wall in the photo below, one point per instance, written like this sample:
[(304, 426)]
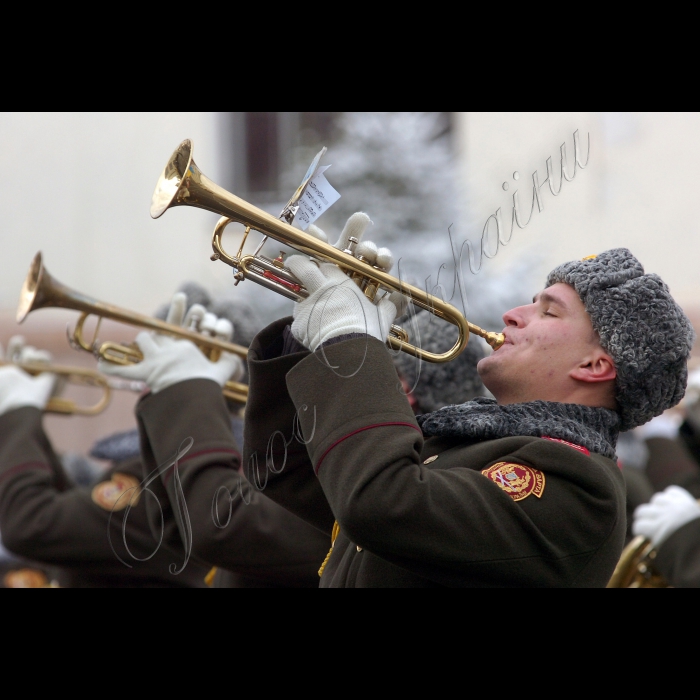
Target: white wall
[(638, 190), (77, 186)]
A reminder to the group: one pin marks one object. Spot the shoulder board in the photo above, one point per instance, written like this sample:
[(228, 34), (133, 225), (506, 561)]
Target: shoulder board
[(580, 448)]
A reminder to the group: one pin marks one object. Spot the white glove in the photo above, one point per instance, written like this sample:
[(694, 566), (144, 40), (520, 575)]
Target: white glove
[(19, 389), (167, 361), (336, 305), (667, 512)]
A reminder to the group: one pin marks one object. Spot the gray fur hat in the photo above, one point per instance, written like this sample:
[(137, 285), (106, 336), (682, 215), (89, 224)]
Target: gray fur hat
[(640, 326), (241, 315), (439, 384)]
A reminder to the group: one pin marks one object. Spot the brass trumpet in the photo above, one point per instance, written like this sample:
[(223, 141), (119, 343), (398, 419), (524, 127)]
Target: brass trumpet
[(40, 290), (183, 184), (73, 375), (636, 567)]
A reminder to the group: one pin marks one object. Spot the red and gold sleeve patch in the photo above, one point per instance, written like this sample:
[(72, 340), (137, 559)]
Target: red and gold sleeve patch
[(580, 448), (117, 493), (517, 480)]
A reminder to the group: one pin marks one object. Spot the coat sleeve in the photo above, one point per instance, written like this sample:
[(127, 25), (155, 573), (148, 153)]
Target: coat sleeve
[(365, 446), (678, 558), (273, 438), (45, 518), (223, 518)]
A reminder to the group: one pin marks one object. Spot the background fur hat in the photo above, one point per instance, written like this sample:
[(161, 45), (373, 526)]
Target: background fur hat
[(238, 312), (640, 326), (439, 384)]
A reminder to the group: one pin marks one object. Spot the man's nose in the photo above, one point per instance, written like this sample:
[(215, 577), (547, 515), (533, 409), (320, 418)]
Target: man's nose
[(514, 317)]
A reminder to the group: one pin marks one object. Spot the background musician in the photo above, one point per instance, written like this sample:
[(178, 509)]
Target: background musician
[(228, 523), (46, 518), (432, 385), (671, 520)]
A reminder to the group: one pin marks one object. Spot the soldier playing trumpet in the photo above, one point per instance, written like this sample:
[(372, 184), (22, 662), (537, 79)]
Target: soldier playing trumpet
[(225, 522), (523, 490), (520, 491), (45, 517)]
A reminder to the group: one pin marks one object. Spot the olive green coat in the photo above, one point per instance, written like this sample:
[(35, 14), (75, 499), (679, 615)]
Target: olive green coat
[(678, 558), (414, 512), (210, 510), (46, 518)]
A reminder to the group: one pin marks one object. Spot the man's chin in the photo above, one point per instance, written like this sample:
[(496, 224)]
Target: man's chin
[(489, 371)]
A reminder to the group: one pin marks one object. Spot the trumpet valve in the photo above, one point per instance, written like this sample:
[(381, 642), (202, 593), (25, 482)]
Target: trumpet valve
[(398, 333), (371, 289), (352, 242), (366, 284), (118, 354)]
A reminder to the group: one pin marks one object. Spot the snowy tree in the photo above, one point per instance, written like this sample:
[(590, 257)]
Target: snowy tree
[(400, 168)]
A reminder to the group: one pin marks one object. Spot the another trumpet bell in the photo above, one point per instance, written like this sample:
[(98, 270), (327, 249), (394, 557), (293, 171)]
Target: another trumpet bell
[(182, 183), (170, 180), (30, 288), (40, 290), (635, 569)]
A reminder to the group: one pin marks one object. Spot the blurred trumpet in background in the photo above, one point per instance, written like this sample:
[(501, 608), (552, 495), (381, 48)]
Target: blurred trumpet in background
[(41, 290)]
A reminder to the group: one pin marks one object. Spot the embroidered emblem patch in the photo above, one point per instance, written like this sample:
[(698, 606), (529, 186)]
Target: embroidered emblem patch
[(517, 480), (117, 493), (580, 448)]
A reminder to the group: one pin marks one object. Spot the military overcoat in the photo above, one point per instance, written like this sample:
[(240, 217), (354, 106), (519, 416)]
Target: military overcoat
[(44, 517), (515, 511), (209, 508), (333, 439)]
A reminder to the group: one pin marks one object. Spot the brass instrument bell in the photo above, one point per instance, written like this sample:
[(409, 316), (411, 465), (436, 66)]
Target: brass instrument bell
[(635, 569), (41, 290)]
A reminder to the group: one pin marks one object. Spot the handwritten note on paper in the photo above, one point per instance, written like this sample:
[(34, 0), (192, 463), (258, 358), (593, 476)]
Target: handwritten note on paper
[(318, 197)]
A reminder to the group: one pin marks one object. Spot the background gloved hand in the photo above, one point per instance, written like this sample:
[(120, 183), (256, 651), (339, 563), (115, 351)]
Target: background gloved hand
[(19, 389), (667, 512), (336, 305), (167, 361)]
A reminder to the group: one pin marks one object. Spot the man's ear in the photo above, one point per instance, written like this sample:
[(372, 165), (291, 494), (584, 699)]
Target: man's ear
[(597, 367)]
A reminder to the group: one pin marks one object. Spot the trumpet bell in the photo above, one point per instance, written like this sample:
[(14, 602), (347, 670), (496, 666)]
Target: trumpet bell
[(30, 289), (170, 181), (635, 569), (40, 290), (182, 183)]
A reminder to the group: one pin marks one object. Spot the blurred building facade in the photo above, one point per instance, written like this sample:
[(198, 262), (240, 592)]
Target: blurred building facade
[(78, 188)]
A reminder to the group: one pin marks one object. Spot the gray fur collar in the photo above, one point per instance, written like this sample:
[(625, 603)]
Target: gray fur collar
[(596, 429)]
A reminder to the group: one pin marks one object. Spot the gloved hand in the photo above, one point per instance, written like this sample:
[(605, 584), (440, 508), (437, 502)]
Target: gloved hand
[(336, 305), (167, 361), (667, 512), (19, 389)]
